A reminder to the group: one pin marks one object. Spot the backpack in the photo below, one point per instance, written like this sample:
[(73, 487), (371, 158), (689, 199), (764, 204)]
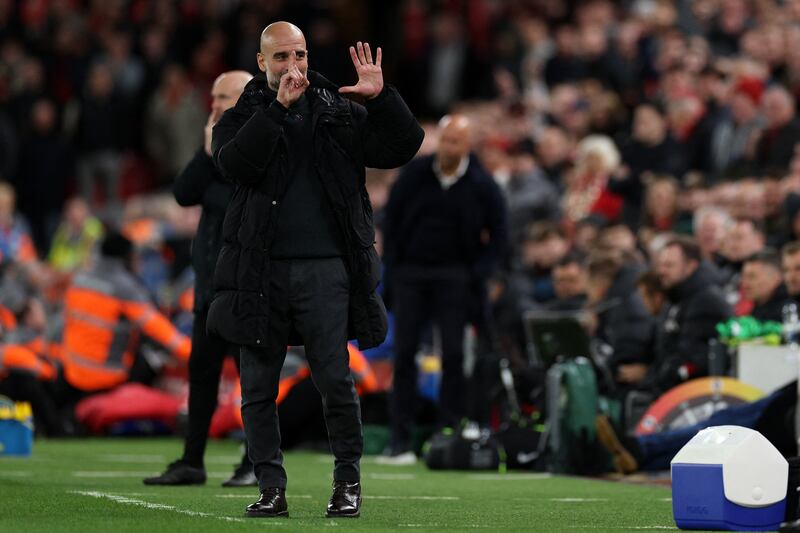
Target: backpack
[(572, 406), (449, 449)]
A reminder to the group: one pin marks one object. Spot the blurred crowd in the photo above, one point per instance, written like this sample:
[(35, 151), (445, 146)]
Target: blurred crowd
[(647, 143)]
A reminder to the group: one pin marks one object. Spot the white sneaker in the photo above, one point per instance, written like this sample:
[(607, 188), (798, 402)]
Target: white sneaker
[(402, 459)]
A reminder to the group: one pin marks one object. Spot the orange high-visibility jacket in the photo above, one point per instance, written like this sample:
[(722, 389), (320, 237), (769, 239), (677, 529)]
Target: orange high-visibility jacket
[(21, 358), (104, 311)]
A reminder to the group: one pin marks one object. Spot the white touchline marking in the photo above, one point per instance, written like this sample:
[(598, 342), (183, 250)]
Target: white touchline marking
[(250, 496), (14, 473), (462, 526), (370, 496), (578, 500), (377, 475), (648, 527), (509, 477), (665, 499), (157, 506), (127, 473)]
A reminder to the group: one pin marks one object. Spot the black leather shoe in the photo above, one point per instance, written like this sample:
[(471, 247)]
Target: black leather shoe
[(345, 500), (243, 476), (271, 503), (179, 473)]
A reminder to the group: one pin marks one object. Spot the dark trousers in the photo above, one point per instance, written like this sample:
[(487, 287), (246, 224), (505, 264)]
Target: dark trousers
[(310, 296), (205, 368), (421, 295)]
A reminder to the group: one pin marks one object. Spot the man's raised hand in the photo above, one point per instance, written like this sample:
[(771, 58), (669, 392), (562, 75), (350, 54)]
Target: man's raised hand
[(293, 84), (370, 75)]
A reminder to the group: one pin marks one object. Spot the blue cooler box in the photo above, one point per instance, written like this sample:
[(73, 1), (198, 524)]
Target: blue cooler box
[(16, 427), (729, 478)]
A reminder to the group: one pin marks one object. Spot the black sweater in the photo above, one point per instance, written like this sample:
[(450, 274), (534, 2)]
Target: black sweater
[(306, 226), (426, 225)]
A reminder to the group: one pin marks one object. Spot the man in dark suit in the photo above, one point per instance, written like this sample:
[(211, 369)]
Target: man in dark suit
[(445, 230), (200, 184)]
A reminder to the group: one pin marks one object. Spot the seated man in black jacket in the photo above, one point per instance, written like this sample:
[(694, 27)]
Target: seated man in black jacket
[(569, 282), (763, 284), (624, 328), (686, 324)]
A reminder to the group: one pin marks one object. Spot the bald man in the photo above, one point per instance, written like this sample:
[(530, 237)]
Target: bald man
[(201, 184), (297, 264), (445, 231)]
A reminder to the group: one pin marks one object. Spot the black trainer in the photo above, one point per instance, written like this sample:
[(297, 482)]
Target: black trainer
[(243, 476), (345, 501), (271, 503), (179, 473)]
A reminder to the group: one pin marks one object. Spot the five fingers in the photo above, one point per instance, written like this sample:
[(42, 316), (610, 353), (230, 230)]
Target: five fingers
[(361, 54)]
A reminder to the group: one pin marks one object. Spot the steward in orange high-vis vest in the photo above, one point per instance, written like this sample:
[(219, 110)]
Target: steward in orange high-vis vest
[(105, 309)]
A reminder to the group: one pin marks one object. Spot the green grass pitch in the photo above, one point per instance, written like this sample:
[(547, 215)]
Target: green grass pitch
[(95, 485)]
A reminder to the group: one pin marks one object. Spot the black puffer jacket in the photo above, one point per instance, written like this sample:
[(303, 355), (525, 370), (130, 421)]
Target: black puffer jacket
[(250, 149), (200, 184), (624, 323), (685, 325)]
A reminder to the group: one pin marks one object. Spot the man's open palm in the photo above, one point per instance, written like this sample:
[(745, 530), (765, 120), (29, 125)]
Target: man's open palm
[(370, 75)]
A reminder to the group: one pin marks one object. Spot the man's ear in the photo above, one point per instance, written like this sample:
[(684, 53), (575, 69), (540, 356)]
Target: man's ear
[(262, 66)]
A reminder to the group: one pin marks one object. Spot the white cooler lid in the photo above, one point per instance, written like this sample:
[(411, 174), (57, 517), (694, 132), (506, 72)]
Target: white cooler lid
[(754, 473)]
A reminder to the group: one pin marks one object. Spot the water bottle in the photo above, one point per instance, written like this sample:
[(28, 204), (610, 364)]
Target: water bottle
[(791, 325)]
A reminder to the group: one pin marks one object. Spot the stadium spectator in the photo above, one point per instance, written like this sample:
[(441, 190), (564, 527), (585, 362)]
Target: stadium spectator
[(553, 149), (436, 258), (733, 134), (649, 150), (619, 238), (775, 146), (695, 305), (743, 238), (691, 125), (174, 118), (569, 282), (661, 212), (790, 263), (46, 167), (587, 185), (650, 290), (624, 328), (543, 246), (762, 283), (75, 238), (201, 184), (710, 224), (100, 135), (16, 244), (530, 196)]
